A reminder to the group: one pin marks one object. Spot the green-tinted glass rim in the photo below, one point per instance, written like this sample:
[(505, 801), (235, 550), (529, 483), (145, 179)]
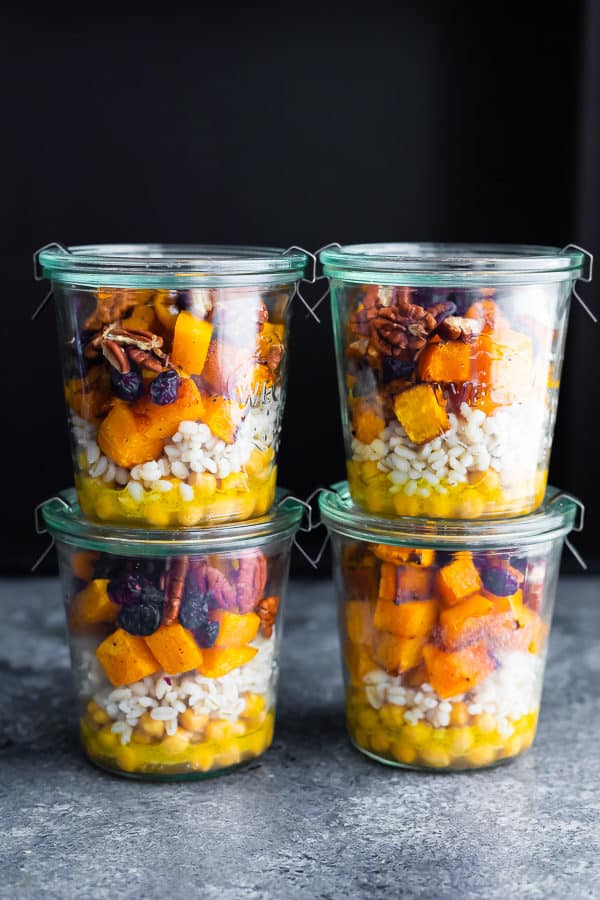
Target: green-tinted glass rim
[(170, 265), (66, 523), (554, 519), (457, 264)]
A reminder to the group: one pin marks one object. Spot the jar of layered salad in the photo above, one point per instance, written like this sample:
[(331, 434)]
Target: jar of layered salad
[(174, 638), (174, 363), (449, 364), (444, 629)]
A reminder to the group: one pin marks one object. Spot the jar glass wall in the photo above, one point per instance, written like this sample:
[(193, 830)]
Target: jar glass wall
[(174, 363), (174, 640), (449, 364), (444, 632)]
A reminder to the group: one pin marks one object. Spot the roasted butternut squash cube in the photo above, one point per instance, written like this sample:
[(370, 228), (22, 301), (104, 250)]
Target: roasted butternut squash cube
[(421, 410), (388, 581), (453, 672), (143, 318), (175, 648), (134, 433), (465, 622), (406, 582), (416, 618), (223, 417), (398, 654), (359, 621), (82, 564), (503, 364), (359, 661), (235, 629), (367, 420), (445, 362), (92, 605), (458, 580), (416, 556), (219, 661), (191, 341), (126, 658)]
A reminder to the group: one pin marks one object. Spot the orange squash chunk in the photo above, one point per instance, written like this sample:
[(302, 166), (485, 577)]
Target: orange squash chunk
[(421, 410), (220, 660), (235, 629), (175, 648), (222, 417), (89, 397), (367, 420), (414, 582), (228, 369), (359, 661), (126, 658), (512, 625), (458, 671), (388, 583), (93, 605), (503, 365), (190, 343), (398, 654), (361, 581), (488, 312), (359, 622), (143, 318), (414, 619), (459, 580), (465, 622), (134, 433), (414, 555), (445, 362), (82, 564)]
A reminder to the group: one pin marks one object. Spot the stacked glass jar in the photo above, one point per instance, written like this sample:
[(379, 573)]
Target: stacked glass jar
[(173, 557), (447, 542)]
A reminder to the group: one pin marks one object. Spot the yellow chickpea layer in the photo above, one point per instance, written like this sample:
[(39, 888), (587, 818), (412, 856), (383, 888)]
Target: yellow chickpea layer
[(200, 744), (469, 742)]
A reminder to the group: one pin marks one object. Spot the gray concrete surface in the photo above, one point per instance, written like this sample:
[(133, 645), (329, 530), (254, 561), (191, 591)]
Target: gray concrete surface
[(313, 818)]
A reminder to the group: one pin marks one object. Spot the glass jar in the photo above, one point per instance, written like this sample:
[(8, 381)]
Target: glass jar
[(174, 638), (174, 362), (449, 363), (444, 628)]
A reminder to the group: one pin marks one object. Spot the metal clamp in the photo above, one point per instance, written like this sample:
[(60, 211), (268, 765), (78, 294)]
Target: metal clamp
[(585, 278), (311, 526), (577, 528), (41, 529), (37, 272), (313, 278)]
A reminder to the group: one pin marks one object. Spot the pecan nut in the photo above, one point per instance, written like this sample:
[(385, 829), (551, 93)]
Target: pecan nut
[(222, 591), (251, 580), (267, 611), (173, 585), (459, 328)]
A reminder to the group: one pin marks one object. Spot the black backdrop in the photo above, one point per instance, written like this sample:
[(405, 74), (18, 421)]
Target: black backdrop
[(443, 122)]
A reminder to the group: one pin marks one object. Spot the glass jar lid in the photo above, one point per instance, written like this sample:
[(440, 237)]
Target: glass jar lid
[(66, 523), (554, 519), (170, 265), (456, 264)]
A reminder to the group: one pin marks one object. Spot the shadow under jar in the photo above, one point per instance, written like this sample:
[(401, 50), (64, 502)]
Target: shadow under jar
[(449, 363), (174, 362), (444, 630), (174, 638)]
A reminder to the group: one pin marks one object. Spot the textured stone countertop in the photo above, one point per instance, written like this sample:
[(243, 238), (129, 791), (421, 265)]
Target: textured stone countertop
[(312, 818)]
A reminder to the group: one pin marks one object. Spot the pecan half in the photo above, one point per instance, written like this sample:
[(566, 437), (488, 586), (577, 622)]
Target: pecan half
[(459, 328), (251, 581), (267, 611), (122, 346), (223, 592), (173, 585)]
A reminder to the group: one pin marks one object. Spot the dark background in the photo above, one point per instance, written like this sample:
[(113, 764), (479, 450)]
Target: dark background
[(442, 122)]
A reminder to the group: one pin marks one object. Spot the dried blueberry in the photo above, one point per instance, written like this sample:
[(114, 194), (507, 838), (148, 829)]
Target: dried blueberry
[(499, 580), (163, 389), (142, 618), (207, 634), (126, 385), (150, 594), (193, 612), (520, 563), (127, 589), (392, 368)]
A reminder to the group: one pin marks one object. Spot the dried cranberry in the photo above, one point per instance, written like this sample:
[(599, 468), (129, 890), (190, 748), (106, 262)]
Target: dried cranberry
[(392, 368), (193, 612), (499, 580), (141, 618), (126, 589), (207, 634), (163, 389), (127, 385)]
